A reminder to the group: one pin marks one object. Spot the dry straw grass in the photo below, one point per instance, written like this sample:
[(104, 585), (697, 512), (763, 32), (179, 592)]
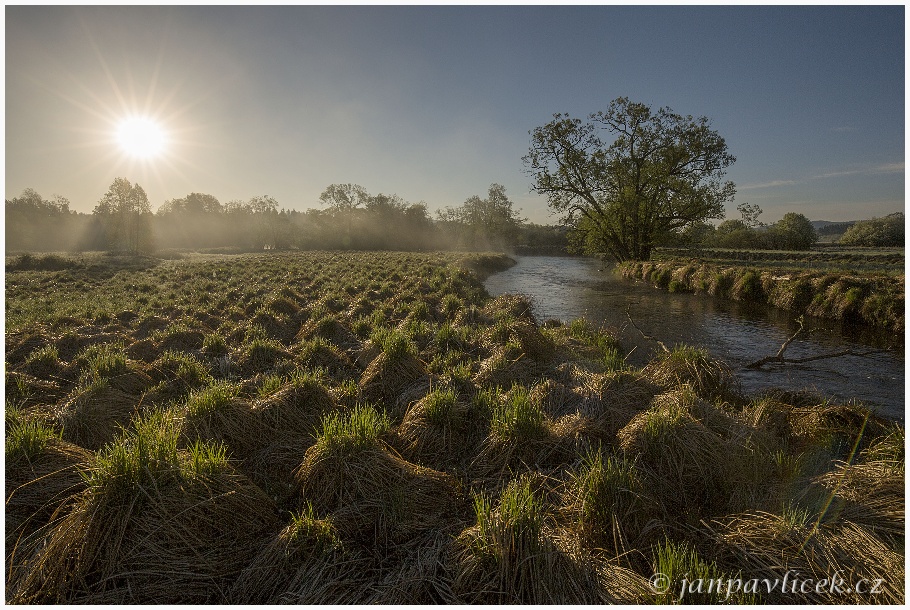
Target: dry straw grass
[(42, 473), (768, 545), (690, 463), (873, 495), (305, 563), (441, 430), (508, 364), (511, 305), (285, 424), (25, 390), (321, 353), (94, 415), (393, 372), (155, 525), (710, 378), (371, 493), (608, 503), (514, 555), (523, 436), (329, 328)]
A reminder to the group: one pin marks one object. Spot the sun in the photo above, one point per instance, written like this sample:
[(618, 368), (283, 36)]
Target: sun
[(141, 137)]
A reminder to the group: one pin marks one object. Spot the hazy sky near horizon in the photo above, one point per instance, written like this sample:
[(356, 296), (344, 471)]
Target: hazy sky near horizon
[(435, 103)]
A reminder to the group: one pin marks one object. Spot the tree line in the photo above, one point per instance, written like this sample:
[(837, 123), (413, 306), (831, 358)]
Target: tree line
[(349, 218), (792, 232), (625, 181)]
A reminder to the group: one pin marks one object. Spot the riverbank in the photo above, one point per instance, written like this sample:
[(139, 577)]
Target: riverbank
[(328, 427), (865, 299)]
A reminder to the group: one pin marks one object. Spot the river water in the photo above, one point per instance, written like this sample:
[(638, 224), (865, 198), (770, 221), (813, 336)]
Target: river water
[(565, 288)]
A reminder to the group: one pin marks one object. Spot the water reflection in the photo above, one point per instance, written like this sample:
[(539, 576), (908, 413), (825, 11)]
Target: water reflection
[(740, 333)]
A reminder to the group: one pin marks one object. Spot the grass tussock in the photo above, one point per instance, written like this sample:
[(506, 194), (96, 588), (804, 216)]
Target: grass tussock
[(306, 563), (710, 378), (393, 372), (94, 415), (514, 555), (686, 459), (134, 534), (440, 430), (43, 472), (761, 544), (609, 504), (372, 494)]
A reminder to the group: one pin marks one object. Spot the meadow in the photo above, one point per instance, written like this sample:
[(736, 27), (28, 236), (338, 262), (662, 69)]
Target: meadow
[(373, 427), (850, 285)]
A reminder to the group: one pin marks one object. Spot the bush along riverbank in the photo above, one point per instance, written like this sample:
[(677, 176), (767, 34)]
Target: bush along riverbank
[(373, 428), (873, 300)]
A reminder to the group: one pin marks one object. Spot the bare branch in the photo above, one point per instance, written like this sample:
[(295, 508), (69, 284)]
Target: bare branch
[(648, 337), (779, 358)]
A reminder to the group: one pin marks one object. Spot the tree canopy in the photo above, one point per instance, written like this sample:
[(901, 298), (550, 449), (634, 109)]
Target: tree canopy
[(484, 223), (877, 232), (793, 232), (123, 211), (630, 175)]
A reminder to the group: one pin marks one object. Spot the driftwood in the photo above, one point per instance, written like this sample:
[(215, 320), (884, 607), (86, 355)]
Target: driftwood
[(779, 358), (648, 337)]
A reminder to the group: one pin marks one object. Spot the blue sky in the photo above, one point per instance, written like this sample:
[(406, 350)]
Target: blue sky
[(435, 103)]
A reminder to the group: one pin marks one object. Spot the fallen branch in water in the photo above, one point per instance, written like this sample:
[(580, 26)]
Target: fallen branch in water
[(648, 337), (779, 358)]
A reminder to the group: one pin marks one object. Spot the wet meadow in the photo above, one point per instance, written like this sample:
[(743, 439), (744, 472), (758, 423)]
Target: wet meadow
[(373, 427)]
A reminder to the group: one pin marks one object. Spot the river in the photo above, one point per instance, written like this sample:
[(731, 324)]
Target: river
[(566, 288)]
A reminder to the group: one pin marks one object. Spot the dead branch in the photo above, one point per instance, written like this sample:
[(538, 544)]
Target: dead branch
[(648, 337), (779, 358)]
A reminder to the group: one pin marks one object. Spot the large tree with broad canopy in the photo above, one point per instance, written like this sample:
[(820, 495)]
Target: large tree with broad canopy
[(629, 175)]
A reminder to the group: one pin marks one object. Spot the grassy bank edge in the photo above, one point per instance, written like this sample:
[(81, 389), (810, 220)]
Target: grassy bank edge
[(875, 300)]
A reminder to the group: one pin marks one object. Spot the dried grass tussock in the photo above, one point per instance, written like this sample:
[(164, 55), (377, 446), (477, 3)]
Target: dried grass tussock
[(42, 473), (769, 545), (314, 428), (709, 377), (688, 461), (389, 374), (94, 415), (513, 555), (371, 493), (441, 429), (155, 524), (305, 563)]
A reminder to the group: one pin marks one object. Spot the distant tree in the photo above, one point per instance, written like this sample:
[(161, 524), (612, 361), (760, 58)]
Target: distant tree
[(267, 221), (792, 232), (534, 238), (697, 233), (877, 232), (750, 213), (124, 213), (484, 223), (661, 172), (342, 201), (194, 203), (734, 233), (194, 221)]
